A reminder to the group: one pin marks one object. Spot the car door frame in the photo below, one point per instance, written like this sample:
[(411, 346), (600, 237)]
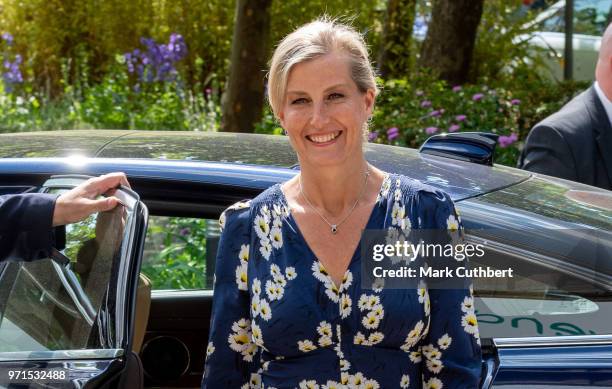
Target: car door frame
[(95, 367)]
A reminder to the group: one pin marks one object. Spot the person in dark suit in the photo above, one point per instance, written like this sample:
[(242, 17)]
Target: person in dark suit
[(575, 143), (27, 221)]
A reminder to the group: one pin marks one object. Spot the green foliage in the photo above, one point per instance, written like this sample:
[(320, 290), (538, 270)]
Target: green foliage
[(175, 253)]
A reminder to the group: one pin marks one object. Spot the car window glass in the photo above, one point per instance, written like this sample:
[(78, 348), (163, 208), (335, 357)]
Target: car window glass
[(60, 303), (539, 300), (591, 17), (180, 252)]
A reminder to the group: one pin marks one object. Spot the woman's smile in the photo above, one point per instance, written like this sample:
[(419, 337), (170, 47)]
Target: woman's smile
[(325, 139)]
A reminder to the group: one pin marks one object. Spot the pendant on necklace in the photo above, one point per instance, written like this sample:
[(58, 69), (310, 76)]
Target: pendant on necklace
[(334, 229)]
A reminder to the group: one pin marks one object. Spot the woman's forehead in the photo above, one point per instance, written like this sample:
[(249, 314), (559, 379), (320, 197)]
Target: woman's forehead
[(321, 72)]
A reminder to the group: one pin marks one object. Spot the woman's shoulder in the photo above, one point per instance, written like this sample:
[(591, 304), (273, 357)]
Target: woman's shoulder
[(410, 189), (241, 211)]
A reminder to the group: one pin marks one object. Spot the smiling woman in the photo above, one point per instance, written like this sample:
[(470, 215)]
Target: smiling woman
[(289, 306)]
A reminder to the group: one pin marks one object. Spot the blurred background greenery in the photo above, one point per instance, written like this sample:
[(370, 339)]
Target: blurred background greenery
[(160, 64)]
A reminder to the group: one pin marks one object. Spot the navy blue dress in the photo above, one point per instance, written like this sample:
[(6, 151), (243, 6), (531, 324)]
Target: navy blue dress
[(279, 321)]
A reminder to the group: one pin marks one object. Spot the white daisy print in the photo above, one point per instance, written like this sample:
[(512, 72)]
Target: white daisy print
[(375, 338), (324, 329), (261, 227), (306, 345), (290, 273), (256, 335), (359, 338), (244, 253), (371, 384), (332, 291), (347, 280), (444, 341), (264, 310), (266, 248), (467, 305), (255, 380), (378, 285), (310, 384), (325, 341), (370, 321), (452, 224), (469, 323), (433, 383), (415, 356), (345, 306), (210, 348), (344, 365), (333, 384), (319, 272), (276, 236), (241, 276), (378, 310), (273, 291), (405, 381), (434, 365), (249, 352), (413, 336), (222, 221), (256, 287)]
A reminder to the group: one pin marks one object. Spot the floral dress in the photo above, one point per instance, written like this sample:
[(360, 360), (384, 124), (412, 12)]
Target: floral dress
[(279, 321)]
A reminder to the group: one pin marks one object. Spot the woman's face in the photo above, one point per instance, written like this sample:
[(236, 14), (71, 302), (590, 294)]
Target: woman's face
[(324, 112)]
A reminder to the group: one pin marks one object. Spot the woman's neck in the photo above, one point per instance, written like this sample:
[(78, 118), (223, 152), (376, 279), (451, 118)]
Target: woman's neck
[(333, 190)]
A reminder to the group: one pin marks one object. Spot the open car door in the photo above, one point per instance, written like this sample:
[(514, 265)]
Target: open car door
[(67, 320)]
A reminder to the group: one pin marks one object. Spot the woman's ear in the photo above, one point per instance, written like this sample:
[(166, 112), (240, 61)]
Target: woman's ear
[(281, 117), (369, 98)]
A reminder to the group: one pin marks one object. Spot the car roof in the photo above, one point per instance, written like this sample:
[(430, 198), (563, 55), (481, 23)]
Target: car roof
[(460, 179)]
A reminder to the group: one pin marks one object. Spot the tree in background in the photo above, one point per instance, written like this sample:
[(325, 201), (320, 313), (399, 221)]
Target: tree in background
[(394, 57), (244, 95), (450, 40)]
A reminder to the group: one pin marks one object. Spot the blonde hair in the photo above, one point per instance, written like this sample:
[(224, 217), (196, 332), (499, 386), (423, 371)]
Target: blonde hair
[(312, 40)]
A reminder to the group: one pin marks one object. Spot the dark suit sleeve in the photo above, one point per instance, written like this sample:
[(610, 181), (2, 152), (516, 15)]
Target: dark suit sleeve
[(26, 231), (547, 152)]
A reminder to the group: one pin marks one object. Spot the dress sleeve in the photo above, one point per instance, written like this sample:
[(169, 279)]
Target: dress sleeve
[(232, 359), (451, 349)]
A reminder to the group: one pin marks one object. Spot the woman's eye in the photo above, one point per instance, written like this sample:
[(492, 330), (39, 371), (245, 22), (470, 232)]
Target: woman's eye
[(301, 100), (335, 96)]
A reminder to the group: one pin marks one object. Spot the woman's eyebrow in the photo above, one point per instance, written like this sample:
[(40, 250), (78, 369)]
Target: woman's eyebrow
[(335, 86)]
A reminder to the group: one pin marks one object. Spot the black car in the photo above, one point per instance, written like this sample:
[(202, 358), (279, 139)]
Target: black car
[(125, 300)]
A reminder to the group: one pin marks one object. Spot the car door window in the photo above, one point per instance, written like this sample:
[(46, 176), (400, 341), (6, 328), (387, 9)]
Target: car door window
[(180, 252), (538, 300), (67, 301), (591, 17)]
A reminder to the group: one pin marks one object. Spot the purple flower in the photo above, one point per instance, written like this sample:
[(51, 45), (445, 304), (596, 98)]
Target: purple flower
[(515, 101), (425, 104), (157, 62), (435, 113), (431, 130), (477, 97), (454, 127), (184, 232), (460, 118), (419, 93), (457, 88), (208, 91), (372, 136), (392, 133), (505, 141), (8, 38)]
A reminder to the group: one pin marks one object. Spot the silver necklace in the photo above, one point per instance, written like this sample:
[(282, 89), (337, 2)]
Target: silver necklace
[(334, 227)]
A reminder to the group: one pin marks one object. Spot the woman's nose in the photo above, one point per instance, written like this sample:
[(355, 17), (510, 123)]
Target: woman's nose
[(320, 115)]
